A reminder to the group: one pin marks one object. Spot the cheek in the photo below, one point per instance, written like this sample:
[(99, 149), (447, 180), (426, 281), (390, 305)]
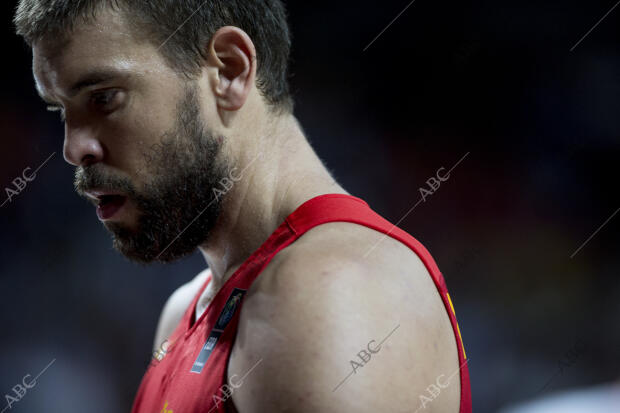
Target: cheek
[(137, 132), (132, 141)]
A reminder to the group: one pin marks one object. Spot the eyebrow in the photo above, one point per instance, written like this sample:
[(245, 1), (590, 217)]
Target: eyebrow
[(89, 79), (92, 79)]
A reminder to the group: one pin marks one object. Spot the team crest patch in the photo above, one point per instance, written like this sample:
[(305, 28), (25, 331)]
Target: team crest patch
[(227, 314), (229, 309)]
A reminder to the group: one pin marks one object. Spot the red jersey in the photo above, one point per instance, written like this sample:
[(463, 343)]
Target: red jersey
[(192, 377)]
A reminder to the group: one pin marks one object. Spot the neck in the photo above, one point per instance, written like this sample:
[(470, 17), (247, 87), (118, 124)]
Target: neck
[(273, 176)]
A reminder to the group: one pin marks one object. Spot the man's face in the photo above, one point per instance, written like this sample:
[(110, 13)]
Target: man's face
[(136, 134)]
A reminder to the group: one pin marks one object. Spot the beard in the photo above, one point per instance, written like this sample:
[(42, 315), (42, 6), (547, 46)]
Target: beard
[(177, 209)]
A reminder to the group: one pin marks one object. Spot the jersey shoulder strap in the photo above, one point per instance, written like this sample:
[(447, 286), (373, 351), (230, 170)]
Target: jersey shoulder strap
[(346, 208)]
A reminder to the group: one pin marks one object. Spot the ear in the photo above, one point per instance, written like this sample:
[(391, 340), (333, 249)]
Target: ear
[(233, 55)]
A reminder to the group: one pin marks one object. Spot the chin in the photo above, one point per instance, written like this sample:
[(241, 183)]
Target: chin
[(146, 247), (123, 226)]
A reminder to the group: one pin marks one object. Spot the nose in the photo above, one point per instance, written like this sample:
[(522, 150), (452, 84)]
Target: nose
[(81, 147)]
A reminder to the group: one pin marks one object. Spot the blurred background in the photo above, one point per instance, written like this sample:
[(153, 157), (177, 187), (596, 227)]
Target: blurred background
[(495, 80)]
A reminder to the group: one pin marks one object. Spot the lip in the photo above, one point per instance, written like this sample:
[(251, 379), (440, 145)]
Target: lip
[(96, 194), (108, 203)]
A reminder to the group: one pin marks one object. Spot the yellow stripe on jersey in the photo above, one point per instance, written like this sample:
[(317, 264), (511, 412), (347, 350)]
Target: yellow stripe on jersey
[(457, 325)]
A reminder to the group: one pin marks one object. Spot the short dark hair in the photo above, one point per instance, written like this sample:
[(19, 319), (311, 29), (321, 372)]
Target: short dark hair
[(181, 28)]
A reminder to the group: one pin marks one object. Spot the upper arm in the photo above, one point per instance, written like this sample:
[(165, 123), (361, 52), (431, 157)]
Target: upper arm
[(351, 339)]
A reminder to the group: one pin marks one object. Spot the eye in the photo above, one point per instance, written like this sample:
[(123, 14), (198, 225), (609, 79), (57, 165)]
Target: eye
[(106, 100), (55, 108)]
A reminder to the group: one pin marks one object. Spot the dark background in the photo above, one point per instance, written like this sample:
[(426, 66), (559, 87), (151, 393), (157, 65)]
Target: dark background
[(493, 79)]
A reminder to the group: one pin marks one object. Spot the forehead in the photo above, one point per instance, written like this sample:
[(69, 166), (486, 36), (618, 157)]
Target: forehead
[(107, 42)]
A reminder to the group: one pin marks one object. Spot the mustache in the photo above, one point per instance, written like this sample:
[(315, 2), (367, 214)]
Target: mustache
[(96, 177)]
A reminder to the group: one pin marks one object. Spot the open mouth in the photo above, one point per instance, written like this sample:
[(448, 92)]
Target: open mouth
[(109, 205)]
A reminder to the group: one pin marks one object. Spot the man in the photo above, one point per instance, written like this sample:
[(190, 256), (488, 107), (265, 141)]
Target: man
[(179, 122)]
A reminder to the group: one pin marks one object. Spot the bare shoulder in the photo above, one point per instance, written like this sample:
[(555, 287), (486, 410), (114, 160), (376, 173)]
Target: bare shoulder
[(337, 329), (175, 307)]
